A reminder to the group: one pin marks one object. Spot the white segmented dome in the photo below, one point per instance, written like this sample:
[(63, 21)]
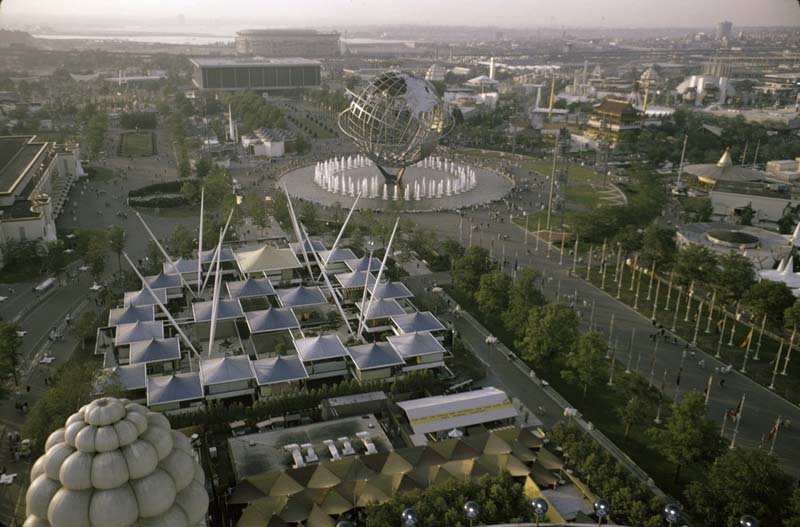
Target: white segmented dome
[(116, 464)]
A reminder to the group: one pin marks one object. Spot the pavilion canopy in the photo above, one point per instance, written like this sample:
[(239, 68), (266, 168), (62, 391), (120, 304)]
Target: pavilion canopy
[(130, 314), (415, 344), (250, 288), (272, 319), (390, 290), (419, 321), (301, 296), (226, 309), (155, 350), (144, 298), (274, 370), (337, 256), (181, 266), (361, 264), (227, 255), (375, 355), (355, 279), (130, 377), (226, 369), (127, 333), (267, 258), (382, 309), (321, 347), (174, 388), (724, 170), (162, 280), (315, 246)]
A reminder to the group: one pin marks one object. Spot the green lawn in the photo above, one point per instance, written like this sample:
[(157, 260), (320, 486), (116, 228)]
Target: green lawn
[(136, 144), (97, 173)]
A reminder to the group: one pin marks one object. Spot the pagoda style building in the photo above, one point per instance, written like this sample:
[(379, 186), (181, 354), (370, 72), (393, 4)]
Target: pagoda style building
[(613, 118)]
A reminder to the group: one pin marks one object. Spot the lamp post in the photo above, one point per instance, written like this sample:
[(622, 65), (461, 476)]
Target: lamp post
[(409, 517), (344, 523), (540, 507), (672, 513), (602, 508), (472, 510), (748, 521)]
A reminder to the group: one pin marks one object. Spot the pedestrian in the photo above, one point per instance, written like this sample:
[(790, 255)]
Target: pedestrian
[(722, 383)]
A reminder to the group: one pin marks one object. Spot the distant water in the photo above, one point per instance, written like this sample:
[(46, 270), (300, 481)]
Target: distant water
[(152, 39)]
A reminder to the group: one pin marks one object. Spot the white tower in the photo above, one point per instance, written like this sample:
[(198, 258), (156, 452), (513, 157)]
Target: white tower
[(491, 68)]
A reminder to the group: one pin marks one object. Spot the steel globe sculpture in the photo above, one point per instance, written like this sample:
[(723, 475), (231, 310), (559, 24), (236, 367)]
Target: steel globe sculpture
[(116, 464), (396, 121), (409, 517), (672, 513)]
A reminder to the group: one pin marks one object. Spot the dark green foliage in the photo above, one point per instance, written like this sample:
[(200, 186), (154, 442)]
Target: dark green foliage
[(501, 499)]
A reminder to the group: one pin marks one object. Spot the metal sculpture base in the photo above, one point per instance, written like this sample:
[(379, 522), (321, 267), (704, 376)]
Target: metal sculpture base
[(392, 179)]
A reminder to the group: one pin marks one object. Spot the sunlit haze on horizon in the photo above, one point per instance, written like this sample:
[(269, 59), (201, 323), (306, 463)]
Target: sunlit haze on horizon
[(508, 13)]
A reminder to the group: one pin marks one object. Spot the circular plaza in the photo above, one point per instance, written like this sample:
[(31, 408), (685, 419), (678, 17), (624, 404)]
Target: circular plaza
[(434, 183)]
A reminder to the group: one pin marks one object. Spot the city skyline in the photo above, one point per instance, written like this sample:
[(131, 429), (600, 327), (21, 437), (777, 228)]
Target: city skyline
[(512, 14)]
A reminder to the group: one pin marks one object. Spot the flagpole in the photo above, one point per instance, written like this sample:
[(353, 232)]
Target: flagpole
[(655, 300), (711, 311), (777, 363), (636, 297), (747, 351), (738, 420), (697, 323), (527, 222), (589, 263), (619, 257), (610, 333), (724, 420), (653, 365), (689, 295), (619, 282), (657, 420), (789, 351), (613, 362), (630, 351), (650, 285), (669, 289), (775, 435), (634, 266), (677, 308), (708, 387), (538, 230), (760, 336), (721, 334), (574, 256)]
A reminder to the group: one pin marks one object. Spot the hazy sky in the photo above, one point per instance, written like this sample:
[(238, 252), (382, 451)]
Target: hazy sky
[(509, 13)]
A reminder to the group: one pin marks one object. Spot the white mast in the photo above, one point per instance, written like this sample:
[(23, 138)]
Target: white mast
[(341, 232), (297, 232), (217, 250), (328, 284), (364, 293), (380, 273), (164, 309), (683, 153), (164, 253), (200, 241), (215, 299), (231, 131)]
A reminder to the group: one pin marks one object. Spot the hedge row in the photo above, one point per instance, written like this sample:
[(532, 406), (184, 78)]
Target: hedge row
[(174, 201), (169, 187)]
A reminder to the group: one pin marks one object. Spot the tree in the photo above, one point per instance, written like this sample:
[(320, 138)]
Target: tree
[(10, 344), (522, 297), (55, 257), (745, 215), (468, 269), (634, 412), (658, 245), (280, 210), (492, 293), (688, 436), (792, 510), (86, 327), (182, 241), (309, 216), (741, 481), (770, 299), (695, 262), (549, 330), (586, 366), (116, 242), (255, 207), (698, 210), (96, 254), (153, 258), (735, 275), (190, 191), (791, 315), (501, 499), (202, 167)]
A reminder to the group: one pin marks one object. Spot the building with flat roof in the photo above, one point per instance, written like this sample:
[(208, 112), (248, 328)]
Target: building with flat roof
[(257, 74), (287, 43), (35, 178)]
